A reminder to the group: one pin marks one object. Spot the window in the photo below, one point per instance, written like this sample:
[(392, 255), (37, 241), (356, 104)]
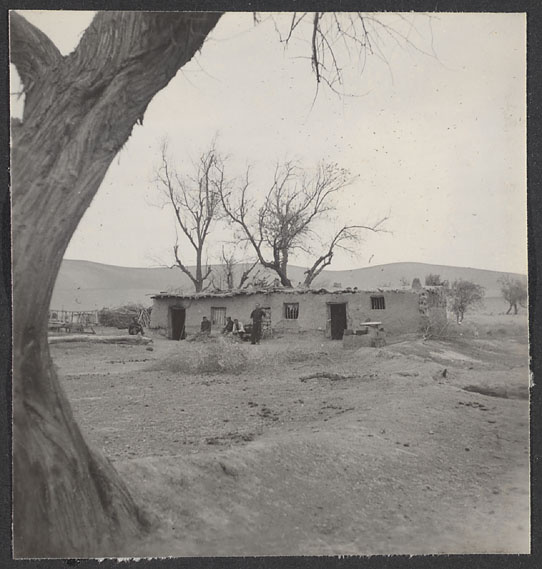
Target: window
[(218, 316), (377, 303), (291, 310)]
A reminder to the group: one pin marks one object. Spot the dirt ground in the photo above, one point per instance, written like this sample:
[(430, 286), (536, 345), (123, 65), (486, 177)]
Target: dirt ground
[(300, 447)]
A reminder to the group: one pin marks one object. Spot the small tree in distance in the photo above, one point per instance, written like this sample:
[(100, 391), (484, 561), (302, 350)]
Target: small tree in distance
[(514, 291), (464, 295), (434, 280)]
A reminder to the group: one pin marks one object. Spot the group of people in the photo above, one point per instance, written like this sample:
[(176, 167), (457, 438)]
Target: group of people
[(235, 327)]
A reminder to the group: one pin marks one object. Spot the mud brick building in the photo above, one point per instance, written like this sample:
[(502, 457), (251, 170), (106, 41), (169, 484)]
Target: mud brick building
[(329, 312)]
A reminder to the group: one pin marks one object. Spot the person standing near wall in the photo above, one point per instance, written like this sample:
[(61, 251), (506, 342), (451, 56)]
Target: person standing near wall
[(257, 316)]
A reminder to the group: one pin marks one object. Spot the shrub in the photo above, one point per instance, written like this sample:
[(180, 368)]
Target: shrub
[(215, 355)]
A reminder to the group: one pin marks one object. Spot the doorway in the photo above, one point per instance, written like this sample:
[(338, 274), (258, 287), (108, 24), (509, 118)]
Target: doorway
[(177, 319), (337, 315)]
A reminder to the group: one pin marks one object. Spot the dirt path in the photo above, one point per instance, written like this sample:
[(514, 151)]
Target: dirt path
[(395, 458)]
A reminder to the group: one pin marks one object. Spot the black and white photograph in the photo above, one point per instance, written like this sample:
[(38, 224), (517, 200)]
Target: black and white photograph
[(269, 284)]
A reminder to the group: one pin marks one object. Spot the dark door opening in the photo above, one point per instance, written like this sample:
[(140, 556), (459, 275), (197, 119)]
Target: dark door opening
[(337, 313), (178, 317)]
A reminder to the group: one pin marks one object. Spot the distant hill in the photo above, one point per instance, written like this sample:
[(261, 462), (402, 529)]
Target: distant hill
[(84, 285)]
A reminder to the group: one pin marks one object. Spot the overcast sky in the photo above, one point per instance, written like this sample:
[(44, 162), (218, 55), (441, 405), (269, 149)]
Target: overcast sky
[(435, 135)]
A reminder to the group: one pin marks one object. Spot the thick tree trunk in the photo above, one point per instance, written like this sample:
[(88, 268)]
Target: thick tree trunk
[(79, 111)]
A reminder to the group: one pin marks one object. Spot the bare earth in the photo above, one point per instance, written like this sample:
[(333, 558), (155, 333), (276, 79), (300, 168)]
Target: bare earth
[(387, 454)]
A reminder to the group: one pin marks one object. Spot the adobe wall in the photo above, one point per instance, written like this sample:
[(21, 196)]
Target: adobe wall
[(402, 311)]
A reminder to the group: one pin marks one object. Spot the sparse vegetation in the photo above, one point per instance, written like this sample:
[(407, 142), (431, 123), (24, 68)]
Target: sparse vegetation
[(435, 325), (434, 280), (464, 295), (514, 291), (213, 355), (210, 439)]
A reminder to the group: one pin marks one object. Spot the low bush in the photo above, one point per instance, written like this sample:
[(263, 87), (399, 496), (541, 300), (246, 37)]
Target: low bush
[(215, 355)]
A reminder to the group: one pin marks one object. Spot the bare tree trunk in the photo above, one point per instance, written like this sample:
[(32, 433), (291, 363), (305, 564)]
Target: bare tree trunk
[(284, 280), (79, 111), (199, 275)]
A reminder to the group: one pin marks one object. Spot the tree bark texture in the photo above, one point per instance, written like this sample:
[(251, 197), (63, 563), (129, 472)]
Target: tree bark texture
[(79, 111)]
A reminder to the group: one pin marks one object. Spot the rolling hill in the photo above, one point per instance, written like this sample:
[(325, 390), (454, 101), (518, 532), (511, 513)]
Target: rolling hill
[(85, 285)]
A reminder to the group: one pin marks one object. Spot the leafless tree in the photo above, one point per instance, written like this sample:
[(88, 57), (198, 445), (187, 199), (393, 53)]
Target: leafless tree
[(284, 223), (195, 199), (80, 109)]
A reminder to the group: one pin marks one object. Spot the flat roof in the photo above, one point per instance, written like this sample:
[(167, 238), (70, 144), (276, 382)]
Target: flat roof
[(280, 290)]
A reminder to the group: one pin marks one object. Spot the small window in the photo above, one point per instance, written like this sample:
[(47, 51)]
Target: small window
[(377, 303), (291, 310), (218, 316)]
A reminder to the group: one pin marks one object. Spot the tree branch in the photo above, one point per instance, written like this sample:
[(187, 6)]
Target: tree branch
[(32, 52), (183, 267)]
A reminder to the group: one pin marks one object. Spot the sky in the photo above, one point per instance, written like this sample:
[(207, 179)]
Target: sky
[(431, 125)]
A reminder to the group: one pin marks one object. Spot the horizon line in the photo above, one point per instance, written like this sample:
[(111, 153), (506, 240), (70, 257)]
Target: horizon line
[(324, 271)]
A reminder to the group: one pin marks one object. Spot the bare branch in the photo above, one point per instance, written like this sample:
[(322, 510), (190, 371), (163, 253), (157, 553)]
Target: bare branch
[(181, 266), (348, 233)]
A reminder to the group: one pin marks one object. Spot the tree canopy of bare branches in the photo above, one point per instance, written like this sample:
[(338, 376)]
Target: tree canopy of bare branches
[(195, 199), (284, 223)]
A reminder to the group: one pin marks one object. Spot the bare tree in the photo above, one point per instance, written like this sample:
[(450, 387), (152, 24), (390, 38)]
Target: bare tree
[(195, 199), (284, 222)]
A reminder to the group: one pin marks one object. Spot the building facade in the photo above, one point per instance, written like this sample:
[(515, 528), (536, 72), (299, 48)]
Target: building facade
[(298, 310)]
